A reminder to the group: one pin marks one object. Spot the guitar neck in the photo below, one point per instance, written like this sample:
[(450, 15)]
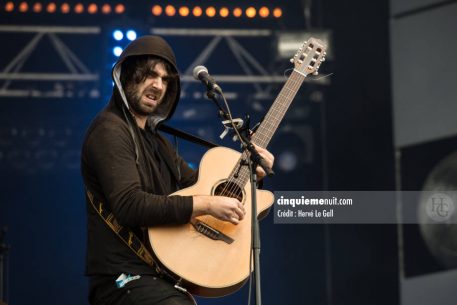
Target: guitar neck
[(270, 123), (277, 111)]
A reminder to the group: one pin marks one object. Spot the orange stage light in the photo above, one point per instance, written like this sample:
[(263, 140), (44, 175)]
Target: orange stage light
[(264, 12), (250, 12), (51, 8), (157, 10), (224, 12), (237, 12), (184, 11), (210, 11), (119, 8), (92, 8), (197, 11), (9, 6), (65, 8), (23, 7), (79, 8), (37, 7), (106, 9), (277, 12), (170, 10)]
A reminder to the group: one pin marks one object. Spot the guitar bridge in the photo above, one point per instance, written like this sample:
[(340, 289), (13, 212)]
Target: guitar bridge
[(212, 233)]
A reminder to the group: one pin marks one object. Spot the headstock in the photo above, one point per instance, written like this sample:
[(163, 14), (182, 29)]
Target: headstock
[(309, 56)]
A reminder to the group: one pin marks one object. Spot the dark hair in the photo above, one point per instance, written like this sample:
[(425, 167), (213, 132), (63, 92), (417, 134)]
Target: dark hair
[(135, 69)]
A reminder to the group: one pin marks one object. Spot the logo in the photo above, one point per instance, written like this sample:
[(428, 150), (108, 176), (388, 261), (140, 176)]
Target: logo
[(439, 207)]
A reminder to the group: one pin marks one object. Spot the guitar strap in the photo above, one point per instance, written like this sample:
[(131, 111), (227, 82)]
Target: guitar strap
[(125, 234), (131, 240)]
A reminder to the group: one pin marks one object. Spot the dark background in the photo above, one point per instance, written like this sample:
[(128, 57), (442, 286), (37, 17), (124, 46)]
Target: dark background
[(340, 134)]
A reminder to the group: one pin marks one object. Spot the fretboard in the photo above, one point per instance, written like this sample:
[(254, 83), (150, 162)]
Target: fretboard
[(270, 123)]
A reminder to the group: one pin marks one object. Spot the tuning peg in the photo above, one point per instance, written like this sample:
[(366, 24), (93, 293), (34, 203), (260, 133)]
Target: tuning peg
[(322, 59), (315, 73), (292, 60)]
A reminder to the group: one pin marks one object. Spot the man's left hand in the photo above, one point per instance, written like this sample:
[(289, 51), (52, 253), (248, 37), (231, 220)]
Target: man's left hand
[(269, 160)]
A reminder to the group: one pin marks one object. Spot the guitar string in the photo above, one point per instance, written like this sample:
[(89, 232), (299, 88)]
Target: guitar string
[(281, 108), (287, 93), (272, 120), (284, 100)]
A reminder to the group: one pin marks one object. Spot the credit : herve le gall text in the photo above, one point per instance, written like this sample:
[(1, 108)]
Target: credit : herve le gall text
[(305, 214)]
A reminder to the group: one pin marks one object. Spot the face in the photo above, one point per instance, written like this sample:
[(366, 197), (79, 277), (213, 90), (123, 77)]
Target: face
[(146, 96)]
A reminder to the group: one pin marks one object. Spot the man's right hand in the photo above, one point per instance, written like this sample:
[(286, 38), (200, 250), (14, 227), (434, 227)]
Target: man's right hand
[(223, 208)]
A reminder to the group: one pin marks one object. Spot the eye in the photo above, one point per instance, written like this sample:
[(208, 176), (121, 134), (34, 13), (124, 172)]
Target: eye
[(167, 79)]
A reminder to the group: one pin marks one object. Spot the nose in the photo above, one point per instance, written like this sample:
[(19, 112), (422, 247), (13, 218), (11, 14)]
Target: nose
[(158, 82)]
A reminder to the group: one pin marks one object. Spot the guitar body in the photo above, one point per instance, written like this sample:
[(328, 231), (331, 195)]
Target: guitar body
[(210, 267)]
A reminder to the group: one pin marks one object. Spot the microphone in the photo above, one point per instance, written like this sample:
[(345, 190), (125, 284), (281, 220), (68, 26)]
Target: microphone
[(201, 73)]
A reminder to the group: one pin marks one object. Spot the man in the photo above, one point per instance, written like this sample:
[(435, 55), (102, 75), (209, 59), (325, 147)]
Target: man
[(129, 166)]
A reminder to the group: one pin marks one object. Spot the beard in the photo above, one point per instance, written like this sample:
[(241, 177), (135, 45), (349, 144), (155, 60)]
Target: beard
[(134, 98)]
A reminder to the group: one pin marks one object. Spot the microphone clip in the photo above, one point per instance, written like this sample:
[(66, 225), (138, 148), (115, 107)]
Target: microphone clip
[(238, 122)]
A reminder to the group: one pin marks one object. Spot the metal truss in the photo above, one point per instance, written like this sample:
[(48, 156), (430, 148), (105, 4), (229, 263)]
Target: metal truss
[(77, 71), (254, 72)]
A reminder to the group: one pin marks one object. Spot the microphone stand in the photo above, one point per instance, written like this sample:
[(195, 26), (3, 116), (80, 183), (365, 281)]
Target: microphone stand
[(254, 159)]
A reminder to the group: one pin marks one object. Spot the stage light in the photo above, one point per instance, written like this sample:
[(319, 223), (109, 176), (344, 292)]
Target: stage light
[(237, 12), (9, 6), (210, 11), (287, 161), (79, 8), (184, 11), (157, 10), (119, 8), (250, 12), (277, 12), (23, 7), (92, 8), (170, 10), (264, 12), (294, 147), (117, 51), (65, 8), (118, 35), (131, 35), (106, 9), (224, 12), (51, 8), (197, 11), (37, 7)]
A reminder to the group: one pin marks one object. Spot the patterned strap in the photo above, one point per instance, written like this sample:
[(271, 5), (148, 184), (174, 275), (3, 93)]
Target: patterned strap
[(131, 240), (126, 235)]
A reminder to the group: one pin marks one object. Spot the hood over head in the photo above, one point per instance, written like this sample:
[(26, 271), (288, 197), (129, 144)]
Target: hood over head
[(154, 46)]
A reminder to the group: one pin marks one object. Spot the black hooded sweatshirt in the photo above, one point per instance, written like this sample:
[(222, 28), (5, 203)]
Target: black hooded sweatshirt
[(133, 171)]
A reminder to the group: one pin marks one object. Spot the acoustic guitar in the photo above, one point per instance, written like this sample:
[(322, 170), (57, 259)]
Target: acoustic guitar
[(211, 257)]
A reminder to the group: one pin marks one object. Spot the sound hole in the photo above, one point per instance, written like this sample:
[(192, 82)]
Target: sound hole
[(229, 189)]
